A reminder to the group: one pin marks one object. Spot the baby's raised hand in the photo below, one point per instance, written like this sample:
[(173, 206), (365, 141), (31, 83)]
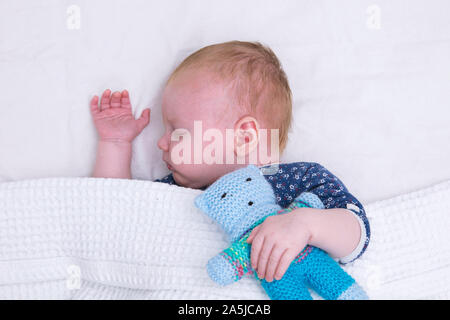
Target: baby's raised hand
[(113, 118)]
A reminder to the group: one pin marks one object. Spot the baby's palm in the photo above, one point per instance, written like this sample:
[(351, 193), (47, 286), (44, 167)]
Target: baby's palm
[(114, 120)]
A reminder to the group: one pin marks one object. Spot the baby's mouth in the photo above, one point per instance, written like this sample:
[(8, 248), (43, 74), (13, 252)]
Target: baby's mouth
[(169, 166)]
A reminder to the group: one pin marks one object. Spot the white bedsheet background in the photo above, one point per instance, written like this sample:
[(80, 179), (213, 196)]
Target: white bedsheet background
[(370, 80)]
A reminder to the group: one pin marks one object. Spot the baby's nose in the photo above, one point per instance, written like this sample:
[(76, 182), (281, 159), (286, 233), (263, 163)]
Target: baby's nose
[(163, 143)]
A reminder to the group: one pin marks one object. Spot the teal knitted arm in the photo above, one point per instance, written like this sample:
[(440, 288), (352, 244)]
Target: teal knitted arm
[(231, 264)]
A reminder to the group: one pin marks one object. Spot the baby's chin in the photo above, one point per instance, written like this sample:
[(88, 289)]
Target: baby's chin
[(183, 181)]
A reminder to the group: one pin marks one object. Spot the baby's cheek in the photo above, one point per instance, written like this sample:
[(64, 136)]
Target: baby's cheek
[(193, 176), (218, 147)]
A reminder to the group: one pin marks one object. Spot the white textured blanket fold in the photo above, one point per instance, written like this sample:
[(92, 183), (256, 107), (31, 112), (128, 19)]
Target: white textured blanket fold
[(86, 238)]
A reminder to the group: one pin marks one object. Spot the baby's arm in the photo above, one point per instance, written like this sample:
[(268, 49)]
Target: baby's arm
[(113, 160), (343, 225), (116, 128), (334, 230)]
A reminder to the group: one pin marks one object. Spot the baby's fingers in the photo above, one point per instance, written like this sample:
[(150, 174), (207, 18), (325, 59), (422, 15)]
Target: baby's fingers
[(263, 259), (256, 248), (94, 105), (144, 119), (115, 99), (274, 260), (106, 97), (286, 260), (253, 234), (125, 101)]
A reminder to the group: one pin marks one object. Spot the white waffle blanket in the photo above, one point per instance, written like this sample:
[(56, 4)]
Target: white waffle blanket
[(86, 238)]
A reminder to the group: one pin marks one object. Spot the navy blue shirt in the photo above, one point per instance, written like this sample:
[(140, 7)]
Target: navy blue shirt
[(292, 179)]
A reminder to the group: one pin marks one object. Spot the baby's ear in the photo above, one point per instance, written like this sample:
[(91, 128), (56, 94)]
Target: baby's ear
[(201, 203)]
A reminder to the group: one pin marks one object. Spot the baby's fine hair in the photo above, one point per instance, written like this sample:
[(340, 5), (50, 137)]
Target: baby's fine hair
[(257, 79)]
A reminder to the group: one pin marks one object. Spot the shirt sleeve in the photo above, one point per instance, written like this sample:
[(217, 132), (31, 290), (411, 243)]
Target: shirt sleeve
[(334, 194)]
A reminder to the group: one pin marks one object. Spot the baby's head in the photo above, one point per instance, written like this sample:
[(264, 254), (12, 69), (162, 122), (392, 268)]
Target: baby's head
[(225, 106)]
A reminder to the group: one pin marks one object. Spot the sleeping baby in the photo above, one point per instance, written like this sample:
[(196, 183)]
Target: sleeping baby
[(226, 106)]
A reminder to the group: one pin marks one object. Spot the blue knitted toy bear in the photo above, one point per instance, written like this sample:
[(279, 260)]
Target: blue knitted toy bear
[(243, 199)]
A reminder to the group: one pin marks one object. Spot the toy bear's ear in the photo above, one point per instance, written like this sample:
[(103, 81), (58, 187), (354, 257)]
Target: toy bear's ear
[(201, 203)]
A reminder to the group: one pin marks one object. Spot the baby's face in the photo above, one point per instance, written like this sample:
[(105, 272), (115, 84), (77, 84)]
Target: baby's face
[(195, 96)]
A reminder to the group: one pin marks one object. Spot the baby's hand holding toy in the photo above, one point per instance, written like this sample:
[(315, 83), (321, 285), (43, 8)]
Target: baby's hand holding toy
[(276, 242)]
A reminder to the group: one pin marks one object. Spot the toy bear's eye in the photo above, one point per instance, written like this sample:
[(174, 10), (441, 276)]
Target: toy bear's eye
[(249, 179), (223, 196), (250, 203)]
